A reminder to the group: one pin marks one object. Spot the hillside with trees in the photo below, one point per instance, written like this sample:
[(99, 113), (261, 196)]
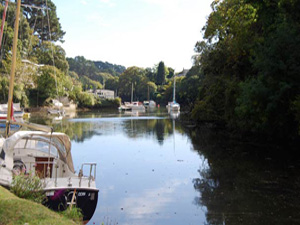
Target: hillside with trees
[(94, 74), (245, 73)]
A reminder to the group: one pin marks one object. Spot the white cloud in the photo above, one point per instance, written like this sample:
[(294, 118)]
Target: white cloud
[(83, 2), (108, 2), (150, 202), (97, 20)]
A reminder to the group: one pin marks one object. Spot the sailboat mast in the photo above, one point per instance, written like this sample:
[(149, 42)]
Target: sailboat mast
[(131, 92), (174, 87), (13, 67), (3, 21)]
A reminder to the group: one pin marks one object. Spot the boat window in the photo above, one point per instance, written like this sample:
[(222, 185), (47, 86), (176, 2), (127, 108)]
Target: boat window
[(38, 145), (42, 143)]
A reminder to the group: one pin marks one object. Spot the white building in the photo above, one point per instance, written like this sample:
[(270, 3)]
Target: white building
[(107, 94)]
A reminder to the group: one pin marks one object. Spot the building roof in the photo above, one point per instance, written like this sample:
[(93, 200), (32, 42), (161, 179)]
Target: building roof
[(183, 73)]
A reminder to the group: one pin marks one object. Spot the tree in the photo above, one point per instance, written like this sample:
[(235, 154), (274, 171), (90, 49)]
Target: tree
[(150, 73), (38, 20), (90, 84), (161, 74), (170, 73), (131, 76), (49, 54), (249, 66), (49, 83), (112, 84), (25, 36)]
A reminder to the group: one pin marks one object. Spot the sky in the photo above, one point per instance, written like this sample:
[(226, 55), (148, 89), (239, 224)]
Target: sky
[(133, 32)]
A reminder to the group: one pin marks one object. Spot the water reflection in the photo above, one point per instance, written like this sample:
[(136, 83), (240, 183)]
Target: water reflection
[(146, 168), (89, 125), (243, 185), (153, 170)]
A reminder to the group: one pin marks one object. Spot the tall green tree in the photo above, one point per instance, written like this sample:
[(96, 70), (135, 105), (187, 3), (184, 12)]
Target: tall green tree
[(161, 73), (50, 54), (44, 21), (131, 76), (49, 83)]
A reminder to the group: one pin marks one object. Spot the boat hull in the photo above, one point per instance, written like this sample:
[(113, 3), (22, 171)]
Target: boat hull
[(60, 199)]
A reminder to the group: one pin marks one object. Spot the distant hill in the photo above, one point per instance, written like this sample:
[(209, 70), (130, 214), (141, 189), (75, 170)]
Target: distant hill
[(107, 67), (94, 73), (82, 66)]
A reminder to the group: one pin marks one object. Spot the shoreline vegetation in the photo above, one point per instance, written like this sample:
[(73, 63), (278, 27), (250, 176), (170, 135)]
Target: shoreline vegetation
[(15, 210), (245, 72)]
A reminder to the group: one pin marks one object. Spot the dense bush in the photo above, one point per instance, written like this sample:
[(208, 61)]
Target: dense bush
[(28, 186), (85, 99)]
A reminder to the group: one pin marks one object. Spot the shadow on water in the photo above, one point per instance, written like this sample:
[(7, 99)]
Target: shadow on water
[(244, 183)]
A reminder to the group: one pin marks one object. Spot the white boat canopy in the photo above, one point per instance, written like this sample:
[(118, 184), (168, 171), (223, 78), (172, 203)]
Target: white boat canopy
[(54, 141)]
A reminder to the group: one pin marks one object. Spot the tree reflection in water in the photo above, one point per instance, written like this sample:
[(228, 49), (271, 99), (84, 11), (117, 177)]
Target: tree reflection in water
[(241, 183), (85, 128), (244, 184)]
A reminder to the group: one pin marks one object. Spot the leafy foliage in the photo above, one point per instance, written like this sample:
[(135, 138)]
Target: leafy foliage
[(86, 99), (161, 74), (249, 66), (38, 20), (28, 186), (97, 71), (54, 55), (50, 83), (110, 68)]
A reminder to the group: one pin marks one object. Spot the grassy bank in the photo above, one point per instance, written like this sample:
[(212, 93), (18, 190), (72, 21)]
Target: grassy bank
[(14, 210)]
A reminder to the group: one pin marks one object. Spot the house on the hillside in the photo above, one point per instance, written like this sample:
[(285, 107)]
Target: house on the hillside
[(105, 94)]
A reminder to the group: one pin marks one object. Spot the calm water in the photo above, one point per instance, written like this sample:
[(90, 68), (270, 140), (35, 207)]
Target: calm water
[(152, 170)]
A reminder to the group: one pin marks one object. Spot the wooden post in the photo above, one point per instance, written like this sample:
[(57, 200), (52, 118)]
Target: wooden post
[(13, 67)]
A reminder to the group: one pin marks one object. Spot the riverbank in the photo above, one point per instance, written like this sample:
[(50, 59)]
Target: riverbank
[(14, 210)]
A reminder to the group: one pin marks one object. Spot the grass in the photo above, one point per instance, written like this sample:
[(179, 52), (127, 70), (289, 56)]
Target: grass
[(14, 210)]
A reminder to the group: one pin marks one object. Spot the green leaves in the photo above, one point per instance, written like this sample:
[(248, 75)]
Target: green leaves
[(28, 186), (250, 64)]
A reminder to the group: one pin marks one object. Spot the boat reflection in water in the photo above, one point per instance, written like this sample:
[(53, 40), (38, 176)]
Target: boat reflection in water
[(174, 115)]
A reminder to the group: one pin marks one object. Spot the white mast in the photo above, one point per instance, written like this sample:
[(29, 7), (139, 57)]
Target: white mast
[(174, 87)]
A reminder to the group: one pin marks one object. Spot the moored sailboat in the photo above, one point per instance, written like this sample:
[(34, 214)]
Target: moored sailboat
[(173, 106), (132, 106)]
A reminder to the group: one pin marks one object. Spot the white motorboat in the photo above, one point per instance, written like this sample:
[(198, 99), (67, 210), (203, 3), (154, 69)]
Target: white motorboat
[(125, 107), (48, 155), (132, 106), (150, 104), (57, 108), (137, 106), (17, 111)]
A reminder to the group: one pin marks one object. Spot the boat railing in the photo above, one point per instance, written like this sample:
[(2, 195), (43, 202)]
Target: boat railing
[(92, 172), (49, 166), (46, 171)]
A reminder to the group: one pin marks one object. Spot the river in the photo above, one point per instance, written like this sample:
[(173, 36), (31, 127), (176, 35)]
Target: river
[(152, 170)]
